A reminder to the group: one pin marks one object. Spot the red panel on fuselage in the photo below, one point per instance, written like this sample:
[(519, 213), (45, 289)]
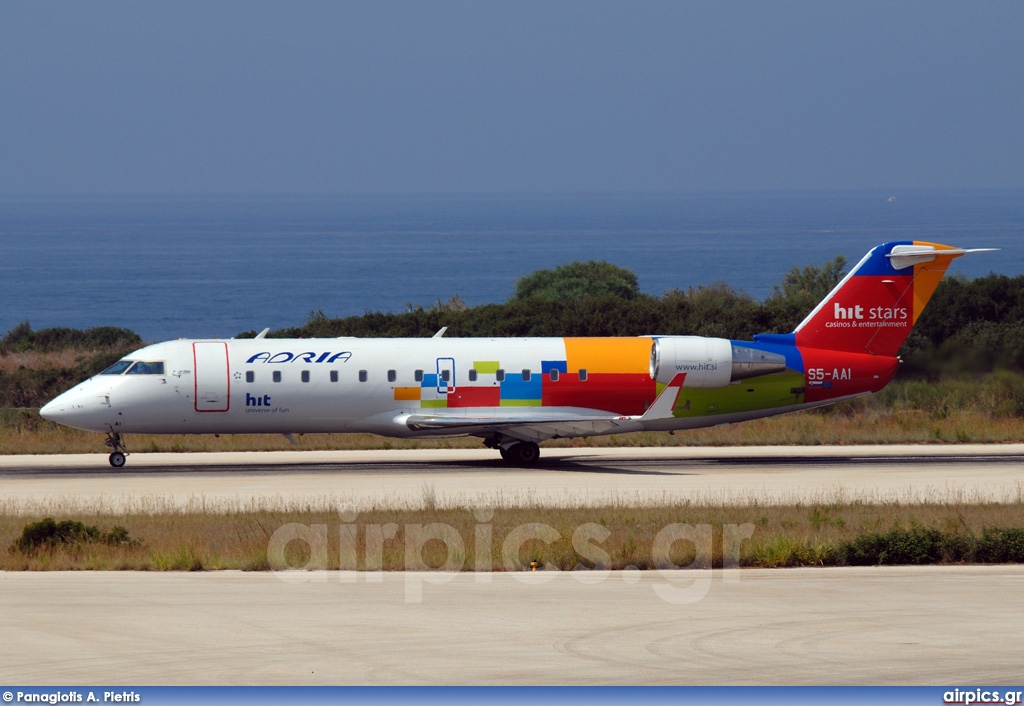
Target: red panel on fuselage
[(475, 397), (621, 393), (833, 374)]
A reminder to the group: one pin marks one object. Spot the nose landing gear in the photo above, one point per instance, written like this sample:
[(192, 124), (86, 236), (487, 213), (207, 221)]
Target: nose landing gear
[(119, 451)]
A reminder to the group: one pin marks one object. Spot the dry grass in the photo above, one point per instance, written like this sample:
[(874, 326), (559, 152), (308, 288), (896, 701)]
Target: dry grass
[(499, 537), (50, 360)]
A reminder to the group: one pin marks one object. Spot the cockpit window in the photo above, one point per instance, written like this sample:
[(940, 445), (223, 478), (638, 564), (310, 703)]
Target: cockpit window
[(135, 367), (146, 368), (118, 367)]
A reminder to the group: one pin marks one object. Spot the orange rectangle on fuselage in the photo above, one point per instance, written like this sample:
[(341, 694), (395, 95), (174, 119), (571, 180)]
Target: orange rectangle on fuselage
[(608, 355), (410, 394)]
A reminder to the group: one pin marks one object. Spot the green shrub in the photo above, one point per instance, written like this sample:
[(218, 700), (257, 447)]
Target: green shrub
[(22, 338), (1001, 545), (917, 545), (49, 534)]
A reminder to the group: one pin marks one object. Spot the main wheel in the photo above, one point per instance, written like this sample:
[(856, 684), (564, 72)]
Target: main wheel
[(525, 453), (117, 459), (505, 455)]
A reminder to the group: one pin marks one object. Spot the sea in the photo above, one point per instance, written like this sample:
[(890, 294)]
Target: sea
[(214, 266)]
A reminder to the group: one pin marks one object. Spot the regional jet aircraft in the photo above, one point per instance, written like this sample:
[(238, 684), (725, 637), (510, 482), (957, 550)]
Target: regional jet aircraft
[(516, 392)]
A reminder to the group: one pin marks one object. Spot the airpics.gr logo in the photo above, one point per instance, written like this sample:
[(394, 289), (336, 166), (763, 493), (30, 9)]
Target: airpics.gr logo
[(964, 697), (875, 313)]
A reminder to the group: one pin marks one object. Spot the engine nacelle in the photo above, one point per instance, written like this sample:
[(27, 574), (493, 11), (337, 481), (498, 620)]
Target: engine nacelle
[(709, 362)]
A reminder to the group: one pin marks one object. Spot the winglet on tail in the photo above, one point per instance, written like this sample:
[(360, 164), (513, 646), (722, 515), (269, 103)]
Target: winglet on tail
[(873, 309)]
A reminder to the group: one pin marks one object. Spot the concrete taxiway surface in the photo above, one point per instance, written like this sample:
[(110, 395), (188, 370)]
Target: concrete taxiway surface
[(926, 625), (355, 479)]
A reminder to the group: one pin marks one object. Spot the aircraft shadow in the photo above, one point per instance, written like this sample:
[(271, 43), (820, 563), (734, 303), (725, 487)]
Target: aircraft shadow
[(635, 466)]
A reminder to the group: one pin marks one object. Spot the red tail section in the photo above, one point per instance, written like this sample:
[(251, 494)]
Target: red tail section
[(873, 309)]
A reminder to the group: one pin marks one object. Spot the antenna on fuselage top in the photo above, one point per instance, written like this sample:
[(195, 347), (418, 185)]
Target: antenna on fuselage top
[(263, 333), (440, 332)]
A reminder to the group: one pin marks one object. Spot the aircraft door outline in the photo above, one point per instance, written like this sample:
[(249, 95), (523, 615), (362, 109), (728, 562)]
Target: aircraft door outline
[(445, 375), (212, 376)]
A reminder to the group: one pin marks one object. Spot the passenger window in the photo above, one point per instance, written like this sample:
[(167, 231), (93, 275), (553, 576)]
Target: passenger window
[(499, 375), (392, 376), (554, 375), (583, 374), (334, 376), (472, 374), (362, 376), (419, 376), (250, 376), (305, 376), (526, 375), (277, 376)]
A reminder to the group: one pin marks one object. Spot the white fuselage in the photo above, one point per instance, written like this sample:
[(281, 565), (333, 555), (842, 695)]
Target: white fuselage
[(395, 387)]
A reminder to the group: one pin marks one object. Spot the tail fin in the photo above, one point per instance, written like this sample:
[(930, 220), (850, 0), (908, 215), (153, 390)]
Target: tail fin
[(873, 309)]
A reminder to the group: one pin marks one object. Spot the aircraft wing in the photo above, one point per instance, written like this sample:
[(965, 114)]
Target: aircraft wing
[(525, 427), (543, 423)]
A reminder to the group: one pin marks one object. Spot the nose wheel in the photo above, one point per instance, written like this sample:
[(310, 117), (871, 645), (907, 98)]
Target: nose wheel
[(119, 452)]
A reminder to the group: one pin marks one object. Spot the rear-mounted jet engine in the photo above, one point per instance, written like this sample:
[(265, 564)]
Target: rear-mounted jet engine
[(709, 362)]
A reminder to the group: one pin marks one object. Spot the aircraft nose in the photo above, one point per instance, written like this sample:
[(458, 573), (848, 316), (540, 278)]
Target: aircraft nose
[(51, 410), (60, 409), (78, 410)]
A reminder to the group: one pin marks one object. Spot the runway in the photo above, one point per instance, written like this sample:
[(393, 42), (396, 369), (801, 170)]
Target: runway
[(892, 625), (586, 476)]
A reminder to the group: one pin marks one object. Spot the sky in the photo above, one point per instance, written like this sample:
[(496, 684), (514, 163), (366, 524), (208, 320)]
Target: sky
[(217, 97)]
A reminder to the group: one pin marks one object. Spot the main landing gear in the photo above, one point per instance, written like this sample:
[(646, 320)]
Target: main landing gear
[(520, 453), (119, 452)]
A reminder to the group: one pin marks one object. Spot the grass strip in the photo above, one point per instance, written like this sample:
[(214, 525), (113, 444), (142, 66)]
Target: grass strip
[(509, 538)]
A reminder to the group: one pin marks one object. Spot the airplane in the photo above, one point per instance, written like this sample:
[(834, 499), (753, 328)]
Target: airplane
[(516, 392)]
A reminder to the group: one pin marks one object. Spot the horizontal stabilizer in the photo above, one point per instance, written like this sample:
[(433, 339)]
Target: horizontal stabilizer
[(904, 256)]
